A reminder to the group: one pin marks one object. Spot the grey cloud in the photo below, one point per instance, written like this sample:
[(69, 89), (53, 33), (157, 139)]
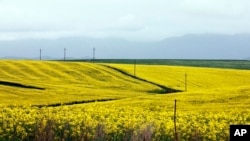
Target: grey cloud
[(127, 19)]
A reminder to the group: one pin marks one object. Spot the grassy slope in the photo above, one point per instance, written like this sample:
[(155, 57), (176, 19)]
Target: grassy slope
[(65, 82)]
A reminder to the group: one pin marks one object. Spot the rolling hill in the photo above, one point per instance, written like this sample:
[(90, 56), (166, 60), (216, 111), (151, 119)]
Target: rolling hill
[(44, 82), (57, 82)]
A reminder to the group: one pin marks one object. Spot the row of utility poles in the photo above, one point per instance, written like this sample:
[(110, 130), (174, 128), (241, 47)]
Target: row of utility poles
[(64, 56), (135, 63)]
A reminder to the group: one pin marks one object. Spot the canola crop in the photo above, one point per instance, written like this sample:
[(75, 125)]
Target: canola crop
[(93, 122), (198, 78), (65, 82), (215, 99)]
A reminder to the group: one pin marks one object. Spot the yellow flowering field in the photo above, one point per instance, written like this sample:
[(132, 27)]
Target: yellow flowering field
[(198, 78), (112, 122), (64, 82), (215, 99)]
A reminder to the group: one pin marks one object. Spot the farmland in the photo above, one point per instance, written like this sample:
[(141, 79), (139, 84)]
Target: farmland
[(231, 64), (79, 81), (98, 101)]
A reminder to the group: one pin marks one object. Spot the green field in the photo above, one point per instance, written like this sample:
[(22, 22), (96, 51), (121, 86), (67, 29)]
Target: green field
[(77, 100), (234, 64)]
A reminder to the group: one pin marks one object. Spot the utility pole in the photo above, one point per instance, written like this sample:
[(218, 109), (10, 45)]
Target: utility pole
[(64, 54), (175, 128), (40, 54), (134, 67), (93, 54), (185, 81)]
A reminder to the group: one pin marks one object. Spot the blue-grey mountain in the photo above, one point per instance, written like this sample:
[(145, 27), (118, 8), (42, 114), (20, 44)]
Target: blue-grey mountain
[(203, 46)]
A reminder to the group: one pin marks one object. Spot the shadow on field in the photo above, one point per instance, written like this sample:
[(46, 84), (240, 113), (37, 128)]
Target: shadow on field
[(163, 90), (14, 84)]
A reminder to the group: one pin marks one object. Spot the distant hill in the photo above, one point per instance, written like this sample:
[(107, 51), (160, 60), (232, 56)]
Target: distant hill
[(193, 46), (207, 46)]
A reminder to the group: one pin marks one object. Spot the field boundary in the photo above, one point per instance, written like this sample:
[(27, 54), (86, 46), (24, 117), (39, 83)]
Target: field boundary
[(163, 90), (74, 102)]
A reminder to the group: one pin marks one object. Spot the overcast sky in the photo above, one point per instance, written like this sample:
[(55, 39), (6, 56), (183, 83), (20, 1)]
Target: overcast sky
[(135, 20)]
